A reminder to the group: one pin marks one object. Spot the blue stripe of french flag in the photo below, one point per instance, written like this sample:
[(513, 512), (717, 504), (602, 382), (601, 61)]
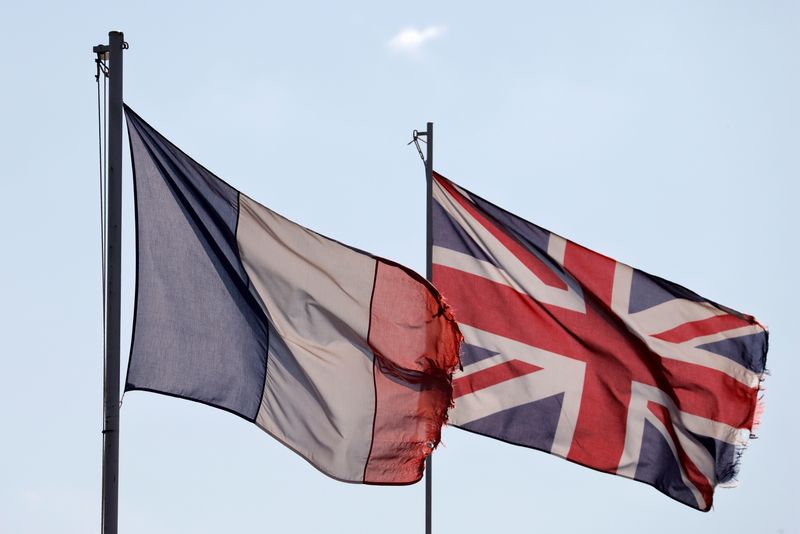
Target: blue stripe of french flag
[(344, 357)]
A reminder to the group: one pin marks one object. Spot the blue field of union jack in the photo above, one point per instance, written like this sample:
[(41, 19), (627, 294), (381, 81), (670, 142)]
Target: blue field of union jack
[(573, 353)]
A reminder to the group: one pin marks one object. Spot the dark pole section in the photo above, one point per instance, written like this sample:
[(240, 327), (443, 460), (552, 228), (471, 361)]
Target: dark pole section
[(429, 275), (429, 179), (114, 261)]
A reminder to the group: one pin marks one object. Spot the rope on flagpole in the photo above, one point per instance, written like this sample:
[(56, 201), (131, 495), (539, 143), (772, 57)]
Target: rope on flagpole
[(101, 69), (102, 135)]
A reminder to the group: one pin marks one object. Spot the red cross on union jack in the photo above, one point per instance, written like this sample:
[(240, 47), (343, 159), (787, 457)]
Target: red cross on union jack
[(576, 354)]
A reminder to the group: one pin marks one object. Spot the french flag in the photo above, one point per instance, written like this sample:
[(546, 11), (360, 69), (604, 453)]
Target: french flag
[(344, 357)]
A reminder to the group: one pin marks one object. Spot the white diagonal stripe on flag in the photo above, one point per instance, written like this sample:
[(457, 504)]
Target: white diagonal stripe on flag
[(559, 374), (524, 280), (670, 314), (748, 330), (569, 298)]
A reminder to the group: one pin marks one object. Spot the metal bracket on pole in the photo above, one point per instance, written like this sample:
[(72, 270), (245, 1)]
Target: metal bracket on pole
[(415, 138), (101, 51), (101, 61)]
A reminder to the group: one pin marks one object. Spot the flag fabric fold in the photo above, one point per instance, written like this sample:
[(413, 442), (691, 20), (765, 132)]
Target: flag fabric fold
[(573, 353), (344, 357)]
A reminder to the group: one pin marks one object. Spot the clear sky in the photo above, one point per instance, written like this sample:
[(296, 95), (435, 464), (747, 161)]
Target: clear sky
[(664, 134)]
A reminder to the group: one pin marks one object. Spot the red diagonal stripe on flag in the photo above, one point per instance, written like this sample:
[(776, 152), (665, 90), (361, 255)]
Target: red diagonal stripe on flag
[(704, 327), (542, 272), (491, 376)]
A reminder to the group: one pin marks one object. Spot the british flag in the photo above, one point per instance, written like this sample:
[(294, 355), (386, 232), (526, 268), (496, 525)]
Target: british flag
[(573, 353)]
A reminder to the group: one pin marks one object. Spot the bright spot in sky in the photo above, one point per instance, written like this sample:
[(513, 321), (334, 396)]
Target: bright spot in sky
[(411, 40)]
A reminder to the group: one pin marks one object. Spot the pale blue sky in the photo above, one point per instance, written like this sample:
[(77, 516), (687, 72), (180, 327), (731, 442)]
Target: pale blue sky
[(664, 134)]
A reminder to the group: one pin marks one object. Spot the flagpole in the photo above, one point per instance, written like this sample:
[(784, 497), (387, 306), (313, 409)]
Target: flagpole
[(429, 276), (110, 490)]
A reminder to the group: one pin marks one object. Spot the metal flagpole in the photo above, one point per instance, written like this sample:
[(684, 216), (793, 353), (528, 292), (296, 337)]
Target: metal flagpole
[(429, 276), (428, 161), (110, 493)]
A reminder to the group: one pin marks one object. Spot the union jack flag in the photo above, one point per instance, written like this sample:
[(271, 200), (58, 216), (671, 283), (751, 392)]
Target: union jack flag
[(573, 353)]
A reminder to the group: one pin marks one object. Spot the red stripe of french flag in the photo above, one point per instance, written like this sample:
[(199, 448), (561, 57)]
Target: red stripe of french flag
[(415, 342)]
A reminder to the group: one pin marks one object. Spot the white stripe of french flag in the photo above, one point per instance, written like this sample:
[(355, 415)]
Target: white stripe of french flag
[(359, 383)]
